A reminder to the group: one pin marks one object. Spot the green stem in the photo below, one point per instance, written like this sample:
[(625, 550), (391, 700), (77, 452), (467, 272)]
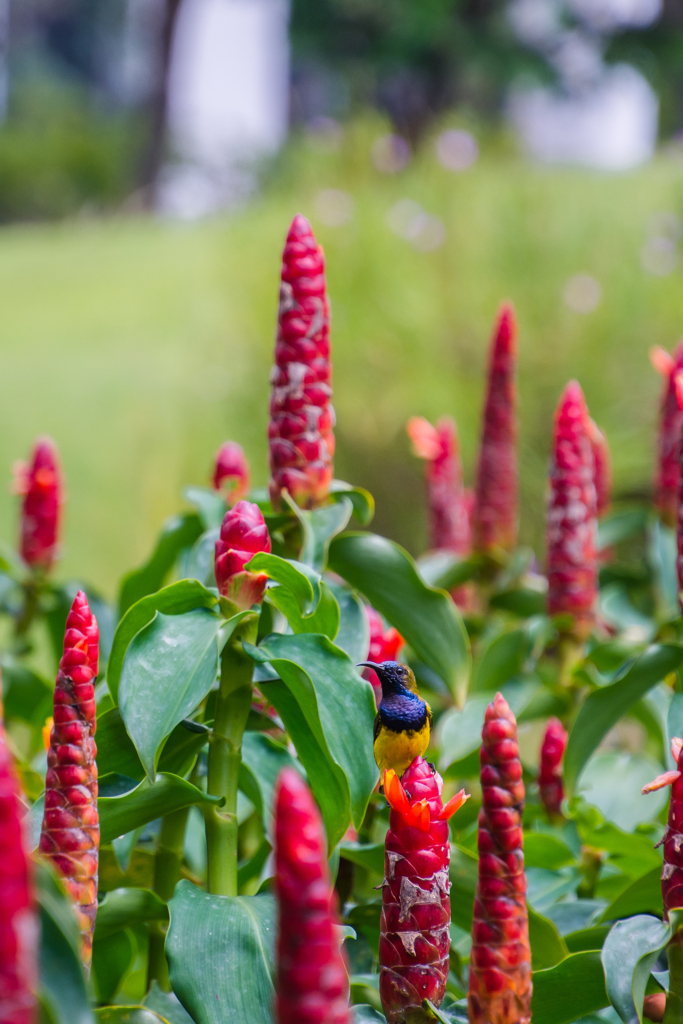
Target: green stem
[(167, 864), (28, 612), (233, 702), (674, 1000)]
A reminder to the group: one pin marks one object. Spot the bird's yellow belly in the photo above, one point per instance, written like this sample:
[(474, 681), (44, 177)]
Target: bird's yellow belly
[(398, 750)]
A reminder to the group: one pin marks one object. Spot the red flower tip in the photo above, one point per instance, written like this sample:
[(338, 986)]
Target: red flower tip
[(243, 534), (602, 467), (550, 782), (385, 645), (669, 436), (231, 472), (505, 332), (40, 483), (661, 360), (447, 501), (427, 443)]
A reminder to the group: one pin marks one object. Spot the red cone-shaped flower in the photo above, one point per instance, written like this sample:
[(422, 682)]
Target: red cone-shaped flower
[(602, 467), (500, 960), (572, 523), (416, 910), (550, 783), (301, 417), (312, 984), (668, 435), (18, 919), (447, 501), (385, 645), (231, 472), (495, 510), (40, 485), (243, 534), (70, 835), (672, 872), (679, 516)]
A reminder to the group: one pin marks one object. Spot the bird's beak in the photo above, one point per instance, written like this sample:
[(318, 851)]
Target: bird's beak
[(368, 664)]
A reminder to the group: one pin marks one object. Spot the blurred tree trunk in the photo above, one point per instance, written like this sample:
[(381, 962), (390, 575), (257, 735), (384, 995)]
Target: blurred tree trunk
[(158, 106)]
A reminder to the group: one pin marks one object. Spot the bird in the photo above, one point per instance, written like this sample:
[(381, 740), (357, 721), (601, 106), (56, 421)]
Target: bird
[(404, 720)]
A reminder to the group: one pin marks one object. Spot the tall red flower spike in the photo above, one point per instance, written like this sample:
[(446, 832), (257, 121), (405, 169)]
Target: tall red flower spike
[(495, 510), (550, 782), (385, 645), (678, 384), (416, 909), (231, 472), (669, 434), (602, 468), (500, 960), (447, 501), (41, 487), (572, 522), (18, 919), (70, 834), (312, 984), (300, 431), (672, 873), (243, 534)]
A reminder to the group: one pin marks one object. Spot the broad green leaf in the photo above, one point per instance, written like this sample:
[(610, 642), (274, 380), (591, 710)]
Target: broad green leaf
[(572, 989), (502, 660), (458, 572), (463, 873), (618, 526), (642, 896), (176, 599), (661, 553), (147, 802), (209, 504), (364, 1014), (127, 1015), (197, 562), (300, 579), (328, 711), (613, 783), (619, 612), (362, 501), (427, 618), (25, 694), (117, 755), (169, 668), (263, 758), (354, 632), (62, 984), (369, 856), (547, 945), (252, 868), (628, 956), (604, 707), (220, 953), (325, 618), (632, 853), (177, 533), (124, 908), (574, 915), (587, 938), (319, 526), (542, 850), (112, 957), (167, 1005), (523, 602)]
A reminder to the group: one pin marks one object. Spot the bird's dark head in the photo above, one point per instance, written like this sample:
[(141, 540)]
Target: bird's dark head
[(394, 677)]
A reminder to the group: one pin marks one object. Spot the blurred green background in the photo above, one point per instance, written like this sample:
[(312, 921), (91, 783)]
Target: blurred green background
[(141, 345)]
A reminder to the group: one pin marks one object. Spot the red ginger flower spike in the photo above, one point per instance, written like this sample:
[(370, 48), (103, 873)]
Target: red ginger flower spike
[(243, 534), (416, 909), (572, 523), (602, 468), (312, 983), (449, 520), (231, 472), (385, 645), (672, 873), (669, 434), (678, 383), (70, 834), (40, 484), (495, 510), (300, 431), (500, 961), (550, 774)]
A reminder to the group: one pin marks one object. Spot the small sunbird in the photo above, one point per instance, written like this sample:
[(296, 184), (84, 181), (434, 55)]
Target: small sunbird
[(404, 720)]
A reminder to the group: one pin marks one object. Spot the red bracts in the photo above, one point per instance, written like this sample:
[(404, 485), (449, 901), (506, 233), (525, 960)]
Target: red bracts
[(550, 783), (40, 485), (678, 384), (602, 468), (385, 645), (300, 431), (572, 523), (500, 960), (312, 984), (243, 534), (672, 872), (415, 938), (495, 510), (18, 919), (669, 434), (70, 835), (448, 502), (231, 472)]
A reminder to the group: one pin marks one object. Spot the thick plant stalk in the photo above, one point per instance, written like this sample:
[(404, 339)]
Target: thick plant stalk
[(40, 484), (602, 468), (500, 960), (18, 919), (231, 472), (312, 984), (449, 504), (385, 645), (70, 834), (243, 534), (495, 510), (668, 434), (572, 524), (550, 782), (415, 939), (300, 432)]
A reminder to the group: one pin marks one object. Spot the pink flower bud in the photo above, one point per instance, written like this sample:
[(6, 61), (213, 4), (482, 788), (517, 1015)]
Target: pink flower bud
[(550, 773), (40, 483), (602, 466), (449, 520), (231, 472), (243, 534)]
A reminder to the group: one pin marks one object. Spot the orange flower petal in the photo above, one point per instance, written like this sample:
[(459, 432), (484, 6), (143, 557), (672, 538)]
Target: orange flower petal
[(661, 360), (660, 782), (395, 793), (453, 805)]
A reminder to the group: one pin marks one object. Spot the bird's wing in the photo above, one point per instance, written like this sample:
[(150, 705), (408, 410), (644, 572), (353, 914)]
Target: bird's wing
[(430, 716), (377, 727)]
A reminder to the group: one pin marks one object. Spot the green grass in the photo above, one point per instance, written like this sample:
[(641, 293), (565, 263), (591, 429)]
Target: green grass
[(141, 345)]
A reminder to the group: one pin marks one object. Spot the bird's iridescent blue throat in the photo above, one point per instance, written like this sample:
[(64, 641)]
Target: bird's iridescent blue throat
[(403, 711)]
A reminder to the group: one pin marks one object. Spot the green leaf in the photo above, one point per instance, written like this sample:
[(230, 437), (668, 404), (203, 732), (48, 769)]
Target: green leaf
[(25, 695), (112, 957), (632, 853), (642, 896), (124, 908), (209, 504), (369, 856), (117, 755), (502, 660), (362, 501), (319, 526), (613, 782), (522, 602), (628, 956), (325, 618), (177, 533), (328, 711), (62, 984), (220, 953), (364, 1014), (354, 632), (127, 1015), (167, 1005), (301, 580), (547, 945), (604, 707), (427, 618), (542, 850), (572, 989), (620, 526), (463, 873), (263, 758), (169, 668), (147, 802), (176, 599), (587, 938), (458, 572)]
